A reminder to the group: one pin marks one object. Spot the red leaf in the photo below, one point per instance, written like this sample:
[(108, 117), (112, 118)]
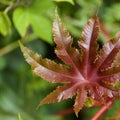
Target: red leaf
[(94, 75), (109, 53), (64, 49), (46, 68), (80, 99), (88, 43), (54, 96)]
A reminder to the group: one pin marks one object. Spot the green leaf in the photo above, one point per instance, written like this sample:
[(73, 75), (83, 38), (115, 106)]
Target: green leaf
[(70, 1), (117, 85), (42, 7), (21, 20), (6, 2), (36, 17), (42, 27), (5, 23), (88, 102)]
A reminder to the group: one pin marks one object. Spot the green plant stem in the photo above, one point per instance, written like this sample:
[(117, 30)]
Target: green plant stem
[(8, 8), (102, 110), (14, 45)]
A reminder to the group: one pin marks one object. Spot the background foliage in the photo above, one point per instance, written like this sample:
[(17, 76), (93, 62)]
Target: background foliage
[(31, 22)]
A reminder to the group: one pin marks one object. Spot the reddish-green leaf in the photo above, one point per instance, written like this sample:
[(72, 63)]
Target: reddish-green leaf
[(64, 49), (93, 75), (46, 68), (54, 96), (80, 99), (88, 43)]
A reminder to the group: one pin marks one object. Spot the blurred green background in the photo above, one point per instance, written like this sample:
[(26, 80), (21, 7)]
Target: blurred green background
[(31, 22)]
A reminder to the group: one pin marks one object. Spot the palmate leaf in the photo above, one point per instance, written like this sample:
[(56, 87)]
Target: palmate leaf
[(92, 74), (48, 69), (64, 50), (88, 43)]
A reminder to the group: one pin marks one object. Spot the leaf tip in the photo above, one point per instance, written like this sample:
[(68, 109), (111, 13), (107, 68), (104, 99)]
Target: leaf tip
[(22, 47), (56, 13), (20, 44), (38, 106), (76, 113), (76, 110)]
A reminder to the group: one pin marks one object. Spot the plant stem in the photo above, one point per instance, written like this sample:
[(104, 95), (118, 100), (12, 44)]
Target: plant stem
[(101, 111), (14, 45), (9, 8)]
